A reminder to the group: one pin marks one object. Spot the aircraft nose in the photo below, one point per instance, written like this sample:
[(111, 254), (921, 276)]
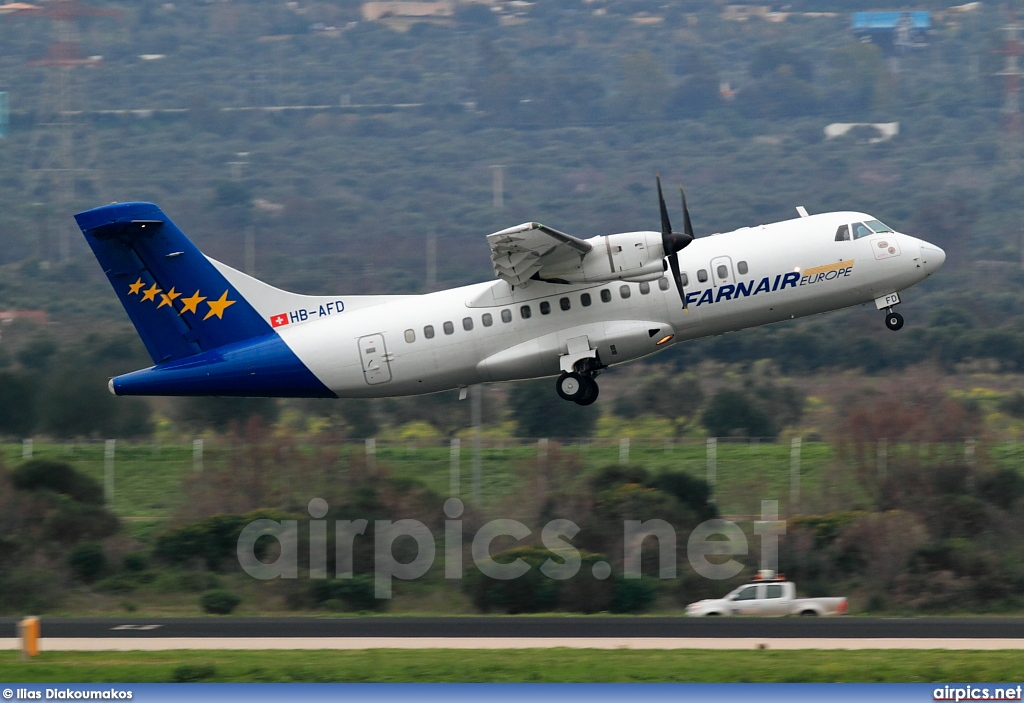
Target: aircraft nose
[(932, 258)]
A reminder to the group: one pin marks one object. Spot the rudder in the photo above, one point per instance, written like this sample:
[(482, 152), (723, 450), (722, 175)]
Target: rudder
[(178, 301)]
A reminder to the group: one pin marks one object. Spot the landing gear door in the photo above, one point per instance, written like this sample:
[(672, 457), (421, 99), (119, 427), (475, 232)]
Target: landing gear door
[(375, 358), (721, 271)]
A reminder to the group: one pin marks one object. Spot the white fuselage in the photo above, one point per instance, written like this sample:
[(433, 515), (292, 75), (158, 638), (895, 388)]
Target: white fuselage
[(382, 346)]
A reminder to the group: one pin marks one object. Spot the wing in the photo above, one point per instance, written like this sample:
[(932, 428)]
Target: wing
[(521, 253)]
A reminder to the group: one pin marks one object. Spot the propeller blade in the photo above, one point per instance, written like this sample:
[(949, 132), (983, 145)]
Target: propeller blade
[(687, 227), (673, 262), (666, 226)]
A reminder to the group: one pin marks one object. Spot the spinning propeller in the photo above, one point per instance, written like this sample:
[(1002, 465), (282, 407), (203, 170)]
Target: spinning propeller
[(673, 242)]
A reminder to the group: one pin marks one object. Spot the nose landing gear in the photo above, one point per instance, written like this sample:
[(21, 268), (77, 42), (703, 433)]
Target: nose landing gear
[(893, 320)]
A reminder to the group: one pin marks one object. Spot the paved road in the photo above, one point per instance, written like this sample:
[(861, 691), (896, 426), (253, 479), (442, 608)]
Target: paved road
[(528, 627)]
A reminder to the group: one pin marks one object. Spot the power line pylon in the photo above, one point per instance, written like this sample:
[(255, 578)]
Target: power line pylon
[(61, 151), (1011, 73)]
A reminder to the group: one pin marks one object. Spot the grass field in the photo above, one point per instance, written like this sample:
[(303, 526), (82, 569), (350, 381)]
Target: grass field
[(531, 665), (148, 476)]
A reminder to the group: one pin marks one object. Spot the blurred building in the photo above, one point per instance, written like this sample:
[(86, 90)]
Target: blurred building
[(895, 31)]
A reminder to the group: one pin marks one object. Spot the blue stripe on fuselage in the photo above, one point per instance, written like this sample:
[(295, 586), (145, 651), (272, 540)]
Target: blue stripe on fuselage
[(260, 367)]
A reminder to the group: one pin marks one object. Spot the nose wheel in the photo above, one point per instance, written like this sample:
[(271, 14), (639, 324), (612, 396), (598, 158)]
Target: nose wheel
[(893, 320), (578, 388)]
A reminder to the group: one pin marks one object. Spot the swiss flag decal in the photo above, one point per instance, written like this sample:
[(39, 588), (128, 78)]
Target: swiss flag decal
[(279, 320)]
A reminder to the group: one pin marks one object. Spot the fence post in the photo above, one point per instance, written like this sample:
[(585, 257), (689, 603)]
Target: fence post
[(108, 472), (969, 458), (197, 455), (476, 413), (453, 467), (371, 454), (542, 452), (624, 451), (26, 448), (712, 460), (794, 475), (883, 458)]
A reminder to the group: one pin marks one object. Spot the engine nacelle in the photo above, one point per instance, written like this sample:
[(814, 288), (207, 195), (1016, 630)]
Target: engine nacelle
[(629, 256)]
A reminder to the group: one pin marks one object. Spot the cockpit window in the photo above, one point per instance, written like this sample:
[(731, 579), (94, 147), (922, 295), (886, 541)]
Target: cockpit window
[(843, 233), (878, 227), (861, 230)]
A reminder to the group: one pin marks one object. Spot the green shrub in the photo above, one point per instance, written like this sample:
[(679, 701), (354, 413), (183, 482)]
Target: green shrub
[(71, 521), (42, 474), (118, 583), (87, 561), (355, 593), (135, 562), (633, 595), (534, 592), (189, 673), (219, 602), (28, 590), (214, 540)]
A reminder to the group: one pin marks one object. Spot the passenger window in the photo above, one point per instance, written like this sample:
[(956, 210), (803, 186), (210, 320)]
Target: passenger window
[(748, 593), (773, 591), (428, 331), (843, 233), (722, 271), (487, 319), (663, 282), (506, 315), (467, 323), (861, 230), (545, 307), (683, 277), (606, 296), (645, 288), (624, 291), (524, 312), (742, 268), (410, 336), (702, 275), (564, 303), (448, 328), (585, 300)]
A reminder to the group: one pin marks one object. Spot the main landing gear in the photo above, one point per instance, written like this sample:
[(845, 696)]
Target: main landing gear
[(893, 320), (580, 388)]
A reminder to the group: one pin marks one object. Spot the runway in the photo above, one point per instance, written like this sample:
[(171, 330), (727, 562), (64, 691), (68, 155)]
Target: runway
[(105, 634)]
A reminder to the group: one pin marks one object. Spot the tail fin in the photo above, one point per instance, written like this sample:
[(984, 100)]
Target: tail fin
[(178, 301), (204, 336)]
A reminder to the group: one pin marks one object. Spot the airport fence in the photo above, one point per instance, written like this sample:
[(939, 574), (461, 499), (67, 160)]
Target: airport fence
[(143, 480)]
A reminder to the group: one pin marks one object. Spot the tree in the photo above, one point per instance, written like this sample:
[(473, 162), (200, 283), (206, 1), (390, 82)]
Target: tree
[(860, 82), (644, 92), (539, 412), (732, 412)]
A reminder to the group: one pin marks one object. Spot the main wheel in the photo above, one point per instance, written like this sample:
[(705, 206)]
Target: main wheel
[(590, 392), (570, 386), (894, 321)]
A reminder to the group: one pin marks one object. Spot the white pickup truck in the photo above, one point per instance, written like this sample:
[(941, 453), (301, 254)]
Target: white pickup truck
[(766, 598)]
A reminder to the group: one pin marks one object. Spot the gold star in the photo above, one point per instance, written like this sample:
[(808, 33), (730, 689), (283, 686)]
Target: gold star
[(217, 307), (190, 304), (134, 288), (150, 293), (168, 298)]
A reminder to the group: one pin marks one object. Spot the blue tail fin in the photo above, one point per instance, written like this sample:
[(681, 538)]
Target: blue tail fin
[(179, 302), (204, 336)]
